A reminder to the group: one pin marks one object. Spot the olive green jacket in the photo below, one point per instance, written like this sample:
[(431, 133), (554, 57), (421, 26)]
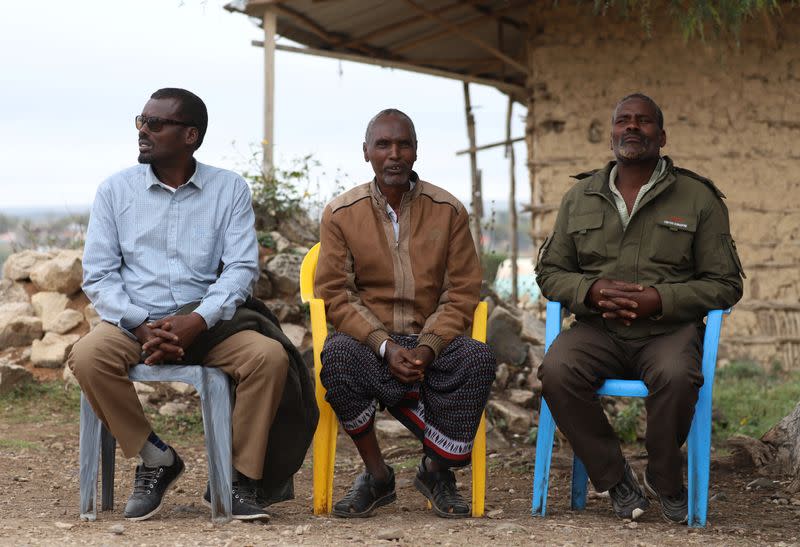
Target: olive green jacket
[(678, 241)]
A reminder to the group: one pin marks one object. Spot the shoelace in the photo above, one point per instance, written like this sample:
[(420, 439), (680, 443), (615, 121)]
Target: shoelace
[(145, 480), (245, 495)]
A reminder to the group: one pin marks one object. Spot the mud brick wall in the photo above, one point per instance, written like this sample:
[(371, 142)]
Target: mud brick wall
[(731, 114)]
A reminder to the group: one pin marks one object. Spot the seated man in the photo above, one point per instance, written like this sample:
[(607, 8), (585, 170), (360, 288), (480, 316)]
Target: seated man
[(170, 254), (400, 278), (640, 252)]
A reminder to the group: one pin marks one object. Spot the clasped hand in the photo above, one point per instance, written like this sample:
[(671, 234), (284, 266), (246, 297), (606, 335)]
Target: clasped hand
[(623, 301), (408, 365), (167, 339)]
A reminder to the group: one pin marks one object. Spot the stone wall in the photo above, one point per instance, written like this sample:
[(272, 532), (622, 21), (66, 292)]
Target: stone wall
[(731, 114)]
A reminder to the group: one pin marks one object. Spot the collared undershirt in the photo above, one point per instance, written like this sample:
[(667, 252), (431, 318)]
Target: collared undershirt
[(622, 208), (396, 227)]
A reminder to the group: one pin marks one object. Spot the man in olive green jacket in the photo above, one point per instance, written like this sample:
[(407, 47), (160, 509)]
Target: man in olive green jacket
[(641, 250)]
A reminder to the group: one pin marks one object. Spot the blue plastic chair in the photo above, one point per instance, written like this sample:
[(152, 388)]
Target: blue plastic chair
[(699, 441), (216, 401)]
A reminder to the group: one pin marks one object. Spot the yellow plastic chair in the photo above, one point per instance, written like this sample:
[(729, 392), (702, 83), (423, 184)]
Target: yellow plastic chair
[(324, 449)]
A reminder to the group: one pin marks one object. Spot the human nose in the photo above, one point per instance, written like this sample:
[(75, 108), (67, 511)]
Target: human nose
[(394, 151)]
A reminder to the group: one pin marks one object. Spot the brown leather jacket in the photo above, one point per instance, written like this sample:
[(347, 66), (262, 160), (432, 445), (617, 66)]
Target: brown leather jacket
[(426, 282)]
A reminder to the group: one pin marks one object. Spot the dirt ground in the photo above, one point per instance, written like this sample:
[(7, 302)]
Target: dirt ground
[(39, 505)]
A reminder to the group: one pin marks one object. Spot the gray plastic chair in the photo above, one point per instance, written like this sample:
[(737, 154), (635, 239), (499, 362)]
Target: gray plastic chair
[(216, 402)]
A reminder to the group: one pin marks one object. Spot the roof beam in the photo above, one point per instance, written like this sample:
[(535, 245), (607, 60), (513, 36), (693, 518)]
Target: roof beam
[(482, 9), (518, 90), (458, 29)]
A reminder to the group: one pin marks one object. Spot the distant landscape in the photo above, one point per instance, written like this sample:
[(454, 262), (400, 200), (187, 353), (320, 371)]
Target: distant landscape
[(41, 228)]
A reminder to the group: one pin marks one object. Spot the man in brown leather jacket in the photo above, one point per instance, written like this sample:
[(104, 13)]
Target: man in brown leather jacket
[(640, 252), (400, 279)]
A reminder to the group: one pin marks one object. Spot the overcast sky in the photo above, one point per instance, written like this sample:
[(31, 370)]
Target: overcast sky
[(74, 74)]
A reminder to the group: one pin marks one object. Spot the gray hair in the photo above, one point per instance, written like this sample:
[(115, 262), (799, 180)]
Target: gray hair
[(390, 112), (645, 98)]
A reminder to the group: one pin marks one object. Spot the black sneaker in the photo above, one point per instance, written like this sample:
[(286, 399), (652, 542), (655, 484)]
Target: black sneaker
[(245, 504), (675, 509), (440, 489), (149, 486), (366, 495), (627, 498)]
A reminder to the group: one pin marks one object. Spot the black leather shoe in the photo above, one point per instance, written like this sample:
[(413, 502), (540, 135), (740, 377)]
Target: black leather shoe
[(440, 489), (245, 504), (149, 486), (366, 495), (675, 509), (627, 498)]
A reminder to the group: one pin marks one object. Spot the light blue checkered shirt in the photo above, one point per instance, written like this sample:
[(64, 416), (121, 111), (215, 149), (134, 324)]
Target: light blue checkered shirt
[(150, 251)]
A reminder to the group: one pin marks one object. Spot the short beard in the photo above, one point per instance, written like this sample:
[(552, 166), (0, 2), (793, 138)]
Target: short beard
[(145, 158), (627, 154)]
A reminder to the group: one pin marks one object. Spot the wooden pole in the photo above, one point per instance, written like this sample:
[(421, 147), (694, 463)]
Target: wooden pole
[(512, 203), (269, 22), (477, 199), (504, 142)]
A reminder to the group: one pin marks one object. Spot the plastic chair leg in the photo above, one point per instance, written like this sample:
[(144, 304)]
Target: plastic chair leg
[(324, 455), (89, 460), (544, 451), (479, 469), (108, 454), (580, 481), (215, 403)]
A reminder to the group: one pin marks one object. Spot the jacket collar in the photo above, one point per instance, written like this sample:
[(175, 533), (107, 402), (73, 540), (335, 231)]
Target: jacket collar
[(598, 180), (379, 200)]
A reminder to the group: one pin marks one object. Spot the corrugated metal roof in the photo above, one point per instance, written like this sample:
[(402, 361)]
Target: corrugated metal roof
[(482, 39)]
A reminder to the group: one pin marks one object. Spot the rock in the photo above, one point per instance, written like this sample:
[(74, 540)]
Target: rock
[(390, 534), (719, 496), (181, 387), (281, 243), (18, 326), (91, 316), (172, 408), (263, 288), (295, 333), (494, 513), (18, 266), (532, 382), (141, 387), (12, 375), (302, 251), (532, 329), (503, 335), (117, 529), (517, 419), (299, 228), (535, 356), (64, 525), (392, 429), (284, 273), (63, 273), (510, 527), (501, 376), (11, 292), (65, 321), (52, 350), (48, 305), (286, 312), (495, 440), (761, 483), (69, 378), (521, 397), (302, 529)]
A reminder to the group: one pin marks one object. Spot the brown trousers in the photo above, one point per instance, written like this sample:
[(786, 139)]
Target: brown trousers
[(583, 357), (257, 364)]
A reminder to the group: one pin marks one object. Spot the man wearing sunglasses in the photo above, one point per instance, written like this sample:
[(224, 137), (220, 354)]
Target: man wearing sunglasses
[(171, 253)]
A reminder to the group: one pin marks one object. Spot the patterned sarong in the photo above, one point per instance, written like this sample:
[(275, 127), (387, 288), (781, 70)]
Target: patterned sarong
[(443, 411)]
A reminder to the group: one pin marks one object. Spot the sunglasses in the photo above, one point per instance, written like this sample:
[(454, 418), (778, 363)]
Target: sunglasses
[(155, 124)]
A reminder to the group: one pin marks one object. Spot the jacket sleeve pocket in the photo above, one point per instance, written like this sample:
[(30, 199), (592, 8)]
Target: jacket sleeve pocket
[(729, 245)]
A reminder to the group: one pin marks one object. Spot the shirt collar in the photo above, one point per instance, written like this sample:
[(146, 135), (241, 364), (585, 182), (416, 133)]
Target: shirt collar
[(196, 179)]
